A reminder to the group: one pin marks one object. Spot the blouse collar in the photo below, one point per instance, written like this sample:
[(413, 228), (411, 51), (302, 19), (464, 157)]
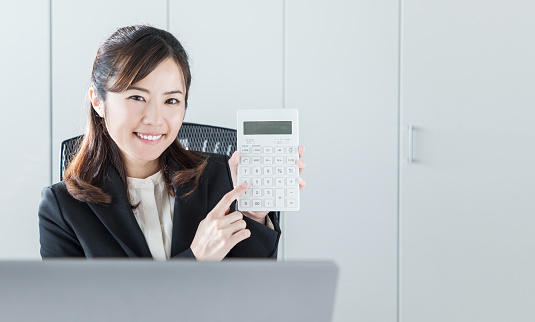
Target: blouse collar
[(153, 180)]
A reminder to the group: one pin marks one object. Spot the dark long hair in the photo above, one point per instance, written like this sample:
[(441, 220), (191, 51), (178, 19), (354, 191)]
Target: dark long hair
[(126, 57)]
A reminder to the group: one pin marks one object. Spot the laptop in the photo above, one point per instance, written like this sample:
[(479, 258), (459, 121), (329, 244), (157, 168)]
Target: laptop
[(146, 290)]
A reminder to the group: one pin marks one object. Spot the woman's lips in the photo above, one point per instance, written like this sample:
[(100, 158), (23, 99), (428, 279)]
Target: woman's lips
[(149, 138)]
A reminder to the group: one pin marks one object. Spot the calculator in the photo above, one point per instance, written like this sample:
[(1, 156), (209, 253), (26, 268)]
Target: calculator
[(268, 141)]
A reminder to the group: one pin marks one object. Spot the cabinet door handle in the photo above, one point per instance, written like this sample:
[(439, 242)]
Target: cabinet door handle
[(409, 159)]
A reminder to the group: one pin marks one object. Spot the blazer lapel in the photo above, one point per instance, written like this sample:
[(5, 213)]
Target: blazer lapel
[(188, 213), (118, 216)]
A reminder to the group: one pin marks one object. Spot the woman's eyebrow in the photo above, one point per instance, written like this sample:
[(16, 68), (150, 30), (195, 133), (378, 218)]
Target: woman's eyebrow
[(148, 92)]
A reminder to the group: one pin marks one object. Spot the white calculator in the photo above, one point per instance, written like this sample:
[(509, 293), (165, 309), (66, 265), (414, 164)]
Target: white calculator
[(268, 143)]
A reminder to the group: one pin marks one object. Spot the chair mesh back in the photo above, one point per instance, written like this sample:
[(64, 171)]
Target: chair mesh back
[(205, 138), (196, 137)]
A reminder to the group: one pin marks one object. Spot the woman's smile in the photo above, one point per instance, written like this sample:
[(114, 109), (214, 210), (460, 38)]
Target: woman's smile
[(148, 138)]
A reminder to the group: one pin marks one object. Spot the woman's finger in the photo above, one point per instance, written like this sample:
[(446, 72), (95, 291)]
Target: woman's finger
[(229, 219), (236, 227), (301, 150), (233, 165), (239, 236), (302, 183), (302, 165), (234, 159), (227, 200)]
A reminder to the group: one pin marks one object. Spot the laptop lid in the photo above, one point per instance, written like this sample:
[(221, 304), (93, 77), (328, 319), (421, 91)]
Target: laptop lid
[(146, 290)]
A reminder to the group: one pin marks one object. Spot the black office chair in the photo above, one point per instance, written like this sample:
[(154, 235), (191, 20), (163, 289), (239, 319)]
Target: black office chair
[(196, 137)]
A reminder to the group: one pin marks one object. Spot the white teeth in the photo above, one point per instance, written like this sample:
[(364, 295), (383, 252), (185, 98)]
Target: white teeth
[(149, 137)]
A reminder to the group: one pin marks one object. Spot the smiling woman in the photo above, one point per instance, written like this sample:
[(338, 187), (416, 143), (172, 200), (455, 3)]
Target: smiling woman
[(132, 190), (145, 118)]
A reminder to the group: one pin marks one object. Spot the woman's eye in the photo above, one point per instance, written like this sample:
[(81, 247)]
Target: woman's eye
[(137, 98), (173, 101)]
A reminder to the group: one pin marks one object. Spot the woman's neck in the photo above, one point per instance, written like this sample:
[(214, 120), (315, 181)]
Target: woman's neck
[(140, 169)]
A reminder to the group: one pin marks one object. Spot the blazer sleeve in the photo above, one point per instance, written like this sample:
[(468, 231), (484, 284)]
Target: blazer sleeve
[(264, 241), (187, 254), (56, 237)]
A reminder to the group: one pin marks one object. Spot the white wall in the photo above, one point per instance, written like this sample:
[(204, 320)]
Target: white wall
[(25, 97)]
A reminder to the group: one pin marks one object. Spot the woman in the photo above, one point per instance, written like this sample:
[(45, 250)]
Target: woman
[(132, 190)]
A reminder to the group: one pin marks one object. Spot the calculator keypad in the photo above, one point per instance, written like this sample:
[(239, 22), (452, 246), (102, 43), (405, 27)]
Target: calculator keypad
[(272, 173)]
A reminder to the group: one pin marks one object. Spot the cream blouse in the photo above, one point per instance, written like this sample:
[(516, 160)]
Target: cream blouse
[(155, 213)]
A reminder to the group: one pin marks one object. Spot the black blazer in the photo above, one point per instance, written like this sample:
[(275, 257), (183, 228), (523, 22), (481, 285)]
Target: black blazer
[(70, 228)]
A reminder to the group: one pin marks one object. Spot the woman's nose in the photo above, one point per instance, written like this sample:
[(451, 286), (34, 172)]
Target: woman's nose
[(153, 114)]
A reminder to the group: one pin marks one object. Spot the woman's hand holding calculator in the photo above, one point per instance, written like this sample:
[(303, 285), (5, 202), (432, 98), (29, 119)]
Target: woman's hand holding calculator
[(260, 216)]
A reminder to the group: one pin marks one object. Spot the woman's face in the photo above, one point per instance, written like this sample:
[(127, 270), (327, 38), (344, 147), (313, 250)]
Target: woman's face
[(144, 120)]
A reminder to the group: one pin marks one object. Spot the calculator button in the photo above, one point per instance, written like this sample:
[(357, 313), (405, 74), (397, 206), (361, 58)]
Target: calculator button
[(291, 192), (291, 203), (257, 150), (245, 171), (244, 150), (279, 149), (290, 181), (279, 198), (268, 149), (256, 160), (279, 171), (257, 203), (279, 182), (290, 171), (268, 160), (257, 192), (257, 182), (247, 192), (246, 203), (268, 203), (279, 160), (257, 171), (245, 160), (268, 181), (243, 180), (291, 149), (291, 160), (268, 193), (268, 171)]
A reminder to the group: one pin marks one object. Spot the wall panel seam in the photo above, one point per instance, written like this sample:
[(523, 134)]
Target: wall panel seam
[(51, 133), (167, 14), (284, 100), (398, 286)]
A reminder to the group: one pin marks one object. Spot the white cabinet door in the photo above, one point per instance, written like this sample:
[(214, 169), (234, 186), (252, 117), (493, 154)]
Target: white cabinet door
[(235, 50), (25, 94), (467, 199), (77, 31), (341, 59)]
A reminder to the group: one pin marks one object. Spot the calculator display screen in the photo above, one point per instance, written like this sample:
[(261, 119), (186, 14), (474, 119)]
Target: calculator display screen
[(267, 127)]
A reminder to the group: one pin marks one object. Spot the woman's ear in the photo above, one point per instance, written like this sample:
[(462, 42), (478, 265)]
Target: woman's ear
[(98, 106)]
